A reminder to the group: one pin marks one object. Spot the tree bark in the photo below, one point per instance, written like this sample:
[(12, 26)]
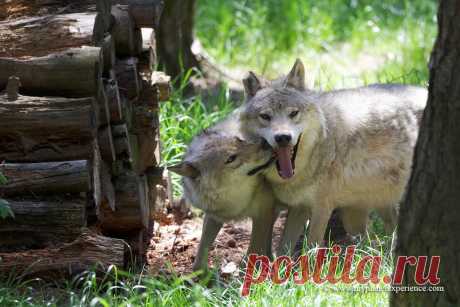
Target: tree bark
[(175, 37), (71, 73), (36, 223), (87, 252), (429, 217), (49, 177)]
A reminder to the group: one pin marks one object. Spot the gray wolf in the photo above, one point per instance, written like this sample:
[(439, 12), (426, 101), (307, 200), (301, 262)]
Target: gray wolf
[(349, 149), (221, 176)]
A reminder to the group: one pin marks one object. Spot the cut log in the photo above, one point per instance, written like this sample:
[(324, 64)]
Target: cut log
[(50, 128), (108, 52), (127, 111), (37, 222), (121, 140), (131, 202), (96, 170), (103, 103), (146, 13), (72, 73), (51, 33), (149, 96), (106, 144), (128, 78), (127, 42), (114, 99), (144, 120), (148, 143), (89, 251), (108, 190), (148, 57), (104, 8), (49, 177), (163, 83), (126, 146)]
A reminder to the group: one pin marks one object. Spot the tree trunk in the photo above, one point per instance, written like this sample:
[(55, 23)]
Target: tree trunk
[(88, 251), (50, 177), (175, 37), (429, 217)]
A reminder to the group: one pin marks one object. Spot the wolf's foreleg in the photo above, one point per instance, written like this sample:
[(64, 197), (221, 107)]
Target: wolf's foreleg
[(262, 230), (293, 227), (321, 212), (211, 228)]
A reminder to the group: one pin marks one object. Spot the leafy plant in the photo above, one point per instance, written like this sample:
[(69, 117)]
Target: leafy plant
[(5, 210)]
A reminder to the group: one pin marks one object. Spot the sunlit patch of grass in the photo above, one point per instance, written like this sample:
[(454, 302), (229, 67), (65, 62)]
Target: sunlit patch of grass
[(117, 288), (345, 39)]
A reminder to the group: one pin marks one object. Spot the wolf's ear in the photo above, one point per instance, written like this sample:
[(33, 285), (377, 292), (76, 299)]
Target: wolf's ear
[(185, 169), (252, 84), (296, 77)]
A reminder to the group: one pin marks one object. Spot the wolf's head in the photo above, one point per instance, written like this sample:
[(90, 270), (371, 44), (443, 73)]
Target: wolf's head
[(279, 112), (216, 162)]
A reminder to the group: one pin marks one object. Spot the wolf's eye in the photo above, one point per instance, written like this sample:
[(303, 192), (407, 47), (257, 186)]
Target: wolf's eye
[(231, 159), (293, 114), (265, 116)]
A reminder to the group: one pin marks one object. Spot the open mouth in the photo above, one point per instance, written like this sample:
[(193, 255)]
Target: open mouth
[(285, 162)]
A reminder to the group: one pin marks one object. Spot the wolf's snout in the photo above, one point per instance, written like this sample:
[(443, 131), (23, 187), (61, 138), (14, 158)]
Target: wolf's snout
[(283, 139)]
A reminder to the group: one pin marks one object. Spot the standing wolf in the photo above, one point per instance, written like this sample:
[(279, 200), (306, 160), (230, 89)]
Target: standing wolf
[(350, 149), (220, 176)]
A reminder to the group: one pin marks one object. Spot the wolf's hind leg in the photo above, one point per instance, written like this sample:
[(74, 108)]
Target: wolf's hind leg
[(293, 227), (211, 228), (355, 220), (389, 216)]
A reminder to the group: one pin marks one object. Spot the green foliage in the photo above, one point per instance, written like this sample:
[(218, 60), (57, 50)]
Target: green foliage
[(5, 210), (337, 39)]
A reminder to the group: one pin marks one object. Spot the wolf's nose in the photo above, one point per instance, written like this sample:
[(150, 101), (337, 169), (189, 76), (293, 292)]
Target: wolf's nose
[(283, 139)]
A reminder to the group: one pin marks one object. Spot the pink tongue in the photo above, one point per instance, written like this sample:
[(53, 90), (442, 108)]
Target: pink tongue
[(284, 161)]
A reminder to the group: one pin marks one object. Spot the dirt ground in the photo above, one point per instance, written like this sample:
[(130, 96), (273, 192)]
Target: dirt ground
[(174, 244)]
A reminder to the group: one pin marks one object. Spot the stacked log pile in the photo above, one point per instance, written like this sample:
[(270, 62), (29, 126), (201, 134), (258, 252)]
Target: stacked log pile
[(79, 133)]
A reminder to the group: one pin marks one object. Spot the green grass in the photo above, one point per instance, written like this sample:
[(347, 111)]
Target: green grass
[(117, 288), (343, 43)]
